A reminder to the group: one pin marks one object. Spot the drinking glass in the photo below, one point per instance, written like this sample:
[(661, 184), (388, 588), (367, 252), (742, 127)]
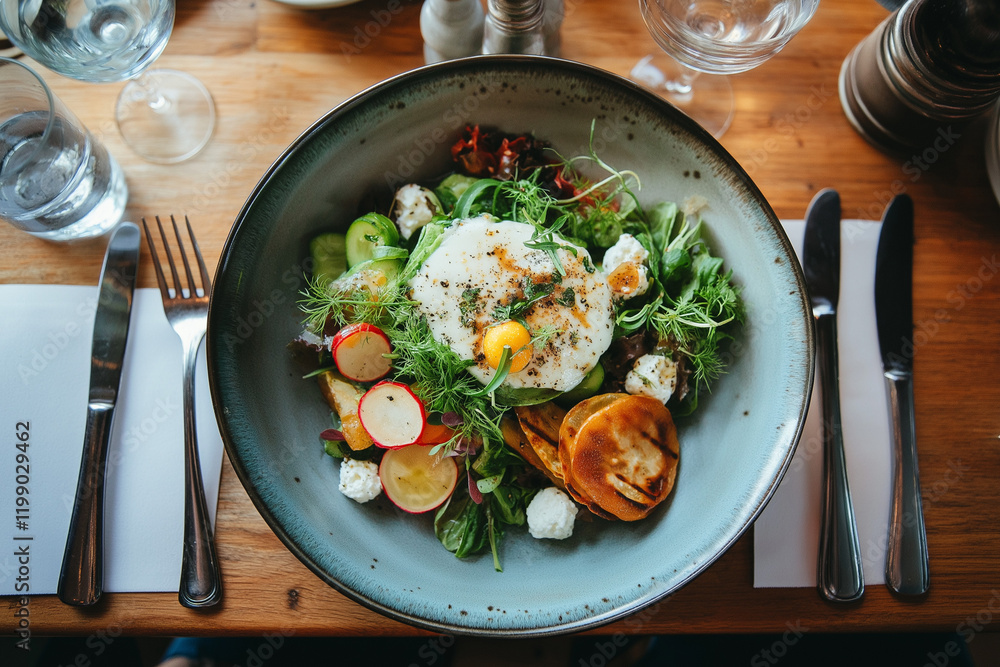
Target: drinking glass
[(706, 40), (164, 115), (56, 181)]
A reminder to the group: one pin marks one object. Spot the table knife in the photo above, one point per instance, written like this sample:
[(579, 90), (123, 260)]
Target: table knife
[(906, 568), (839, 571), (81, 578)]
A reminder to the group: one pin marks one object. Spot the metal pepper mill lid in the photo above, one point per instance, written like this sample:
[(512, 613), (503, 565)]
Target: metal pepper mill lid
[(929, 68)]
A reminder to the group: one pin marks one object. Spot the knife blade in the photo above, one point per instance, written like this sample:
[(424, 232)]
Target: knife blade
[(906, 567), (839, 571), (81, 578)]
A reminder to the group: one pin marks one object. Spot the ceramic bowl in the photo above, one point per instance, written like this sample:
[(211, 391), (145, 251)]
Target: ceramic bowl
[(734, 449)]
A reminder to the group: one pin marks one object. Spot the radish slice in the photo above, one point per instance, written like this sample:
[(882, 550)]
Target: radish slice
[(415, 480), (359, 351), (435, 434), (392, 415)]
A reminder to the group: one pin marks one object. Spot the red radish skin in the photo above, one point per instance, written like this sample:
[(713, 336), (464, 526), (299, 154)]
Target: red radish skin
[(392, 415), (435, 434), (359, 349), (415, 480)]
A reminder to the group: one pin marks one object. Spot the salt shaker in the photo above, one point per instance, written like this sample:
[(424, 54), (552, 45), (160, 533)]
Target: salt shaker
[(930, 67), (514, 26), (451, 29)]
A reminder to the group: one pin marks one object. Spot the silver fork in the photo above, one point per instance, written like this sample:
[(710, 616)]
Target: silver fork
[(186, 307)]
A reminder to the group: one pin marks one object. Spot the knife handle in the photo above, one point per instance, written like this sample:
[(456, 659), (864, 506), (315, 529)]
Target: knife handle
[(840, 575), (81, 579), (906, 565)]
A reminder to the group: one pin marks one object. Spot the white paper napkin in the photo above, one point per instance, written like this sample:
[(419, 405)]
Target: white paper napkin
[(45, 345), (786, 536)]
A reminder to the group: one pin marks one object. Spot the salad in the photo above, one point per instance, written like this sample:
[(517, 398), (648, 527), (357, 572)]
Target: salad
[(509, 345)]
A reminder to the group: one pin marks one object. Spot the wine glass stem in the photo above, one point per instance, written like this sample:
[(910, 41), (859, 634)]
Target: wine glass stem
[(684, 81), (159, 103), (152, 95)]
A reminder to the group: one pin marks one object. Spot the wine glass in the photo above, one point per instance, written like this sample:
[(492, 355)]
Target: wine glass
[(164, 115), (709, 39)]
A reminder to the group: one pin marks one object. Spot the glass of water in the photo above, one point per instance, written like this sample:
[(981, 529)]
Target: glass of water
[(56, 181), (706, 40), (164, 115)]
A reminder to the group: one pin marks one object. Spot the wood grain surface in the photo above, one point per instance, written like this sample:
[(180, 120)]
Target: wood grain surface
[(274, 69)]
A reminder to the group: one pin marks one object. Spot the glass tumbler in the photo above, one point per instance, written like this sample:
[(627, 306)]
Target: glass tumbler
[(56, 181)]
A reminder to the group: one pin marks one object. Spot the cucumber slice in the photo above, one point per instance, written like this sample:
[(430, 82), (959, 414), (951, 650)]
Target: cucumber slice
[(390, 268), (329, 255), (365, 234)]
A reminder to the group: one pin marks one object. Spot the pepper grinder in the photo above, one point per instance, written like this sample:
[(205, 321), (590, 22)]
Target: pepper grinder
[(451, 29), (514, 26), (929, 68)]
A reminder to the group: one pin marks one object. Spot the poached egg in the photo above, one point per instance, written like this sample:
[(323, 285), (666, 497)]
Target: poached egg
[(483, 264)]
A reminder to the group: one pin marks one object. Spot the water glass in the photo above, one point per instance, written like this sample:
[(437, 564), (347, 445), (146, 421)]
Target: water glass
[(56, 181), (105, 41)]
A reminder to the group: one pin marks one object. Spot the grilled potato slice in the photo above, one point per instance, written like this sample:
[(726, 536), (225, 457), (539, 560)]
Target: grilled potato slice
[(343, 397), (621, 452), (540, 424), (517, 440)]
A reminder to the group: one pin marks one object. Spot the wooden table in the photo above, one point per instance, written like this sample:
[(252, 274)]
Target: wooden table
[(274, 69)]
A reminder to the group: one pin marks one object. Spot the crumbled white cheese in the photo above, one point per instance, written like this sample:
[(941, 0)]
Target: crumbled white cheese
[(359, 480), (652, 375), (414, 206), (626, 249), (310, 338), (643, 285), (629, 280), (367, 279), (551, 514), (693, 205)]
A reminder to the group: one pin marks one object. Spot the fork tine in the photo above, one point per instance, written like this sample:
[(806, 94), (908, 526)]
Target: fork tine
[(192, 287), (206, 281), (160, 279), (178, 289)]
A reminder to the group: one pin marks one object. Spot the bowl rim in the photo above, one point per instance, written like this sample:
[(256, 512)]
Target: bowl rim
[(687, 125)]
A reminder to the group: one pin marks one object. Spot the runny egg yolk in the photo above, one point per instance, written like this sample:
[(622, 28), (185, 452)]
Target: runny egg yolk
[(509, 333)]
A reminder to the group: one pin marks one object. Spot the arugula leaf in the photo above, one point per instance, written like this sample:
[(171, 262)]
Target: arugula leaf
[(661, 220), (469, 203), (533, 292), (460, 525), (427, 243), (469, 306)]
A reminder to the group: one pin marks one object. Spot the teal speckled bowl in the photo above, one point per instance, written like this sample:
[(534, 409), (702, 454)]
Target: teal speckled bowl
[(733, 451)]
